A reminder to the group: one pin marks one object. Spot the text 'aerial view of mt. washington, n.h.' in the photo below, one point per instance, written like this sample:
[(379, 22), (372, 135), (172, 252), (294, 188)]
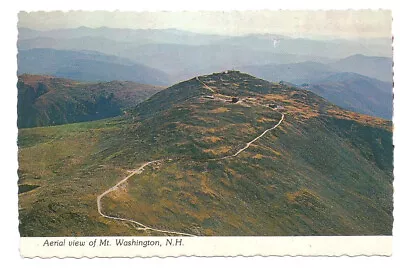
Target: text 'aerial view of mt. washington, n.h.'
[(251, 123)]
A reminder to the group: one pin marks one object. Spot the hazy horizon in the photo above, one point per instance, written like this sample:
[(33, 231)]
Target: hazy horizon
[(339, 24)]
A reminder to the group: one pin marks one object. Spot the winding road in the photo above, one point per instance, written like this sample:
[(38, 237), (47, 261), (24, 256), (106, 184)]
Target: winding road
[(141, 168), (250, 142), (204, 84), (115, 187)]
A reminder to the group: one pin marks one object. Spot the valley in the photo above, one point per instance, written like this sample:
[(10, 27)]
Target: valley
[(47, 100)]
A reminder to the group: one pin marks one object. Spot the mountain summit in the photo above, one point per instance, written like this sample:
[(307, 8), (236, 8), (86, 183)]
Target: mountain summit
[(219, 154)]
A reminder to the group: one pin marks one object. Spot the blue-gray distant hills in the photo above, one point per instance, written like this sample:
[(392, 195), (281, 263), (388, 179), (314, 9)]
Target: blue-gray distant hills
[(376, 67), (265, 42), (180, 61), (183, 54), (87, 66), (345, 88), (133, 36), (354, 74), (310, 71), (296, 73), (357, 93)]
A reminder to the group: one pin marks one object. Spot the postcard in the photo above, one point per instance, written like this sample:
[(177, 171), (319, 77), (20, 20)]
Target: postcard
[(205, 133)]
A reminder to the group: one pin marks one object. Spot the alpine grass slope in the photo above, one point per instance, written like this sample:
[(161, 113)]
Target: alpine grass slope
[(322, 171)]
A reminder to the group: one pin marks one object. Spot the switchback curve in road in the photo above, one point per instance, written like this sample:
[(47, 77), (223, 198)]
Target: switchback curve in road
[(141, 168)]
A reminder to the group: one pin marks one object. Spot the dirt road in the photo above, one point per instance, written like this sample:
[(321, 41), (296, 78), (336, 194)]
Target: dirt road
[(141, 168)]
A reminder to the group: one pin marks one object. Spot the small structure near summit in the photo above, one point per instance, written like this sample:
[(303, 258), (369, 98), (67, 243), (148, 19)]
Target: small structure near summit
[(273, 106)]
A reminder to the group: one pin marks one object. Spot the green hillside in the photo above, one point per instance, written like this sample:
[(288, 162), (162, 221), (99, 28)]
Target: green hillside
[(46, 100), (322, 171)]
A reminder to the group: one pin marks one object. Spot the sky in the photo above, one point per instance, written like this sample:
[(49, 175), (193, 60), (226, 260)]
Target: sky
[(316, 24)]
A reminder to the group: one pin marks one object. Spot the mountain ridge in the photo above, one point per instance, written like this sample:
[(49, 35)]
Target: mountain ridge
[(363, 94), (376, 67), (47, 100), (87, 66), (305, 46), (357, 92), (322, 171)]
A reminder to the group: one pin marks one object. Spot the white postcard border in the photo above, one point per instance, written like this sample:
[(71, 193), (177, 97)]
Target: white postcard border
[(61, 247), (10, 249)]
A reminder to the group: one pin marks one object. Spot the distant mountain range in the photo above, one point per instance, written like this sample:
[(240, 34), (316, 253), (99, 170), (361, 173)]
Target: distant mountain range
[(180, 61), (183, 54), (376, 67), (266, 42), (47, 101), (296, 73), (316, 48), (164, 57), (356, 93), (311, 71), (349, 90), (87, 66), (133, 36), (183, 61)]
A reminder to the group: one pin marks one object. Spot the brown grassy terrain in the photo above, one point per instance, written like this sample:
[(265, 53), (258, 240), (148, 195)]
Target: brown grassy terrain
[(323, 171), (46, 100)]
